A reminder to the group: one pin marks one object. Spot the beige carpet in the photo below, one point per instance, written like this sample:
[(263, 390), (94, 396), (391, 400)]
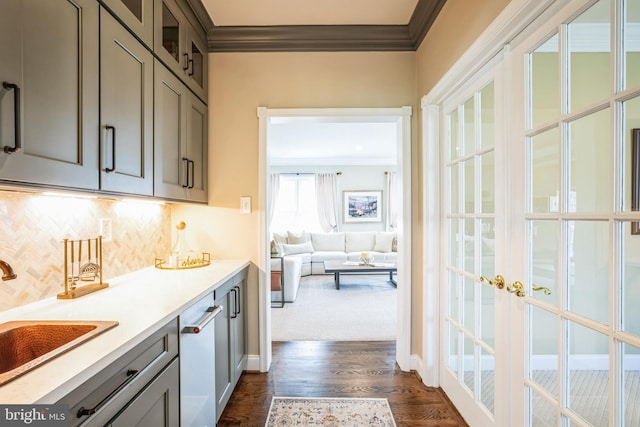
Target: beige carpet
[(333, 412), (364, 309)]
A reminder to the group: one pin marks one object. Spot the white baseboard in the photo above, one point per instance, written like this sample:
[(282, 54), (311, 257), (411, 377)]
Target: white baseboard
[(253, 362)]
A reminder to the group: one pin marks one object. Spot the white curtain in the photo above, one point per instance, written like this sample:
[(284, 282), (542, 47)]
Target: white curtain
[(275, 191), (392, 201), (327, 194)]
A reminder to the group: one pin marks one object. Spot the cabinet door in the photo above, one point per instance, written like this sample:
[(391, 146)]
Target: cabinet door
[(158, 405), (49, 50), (224, 368), (197, 149), (197, 71), (126, 102), (170, 174), (137, 15), (238, 320), (169, 38)]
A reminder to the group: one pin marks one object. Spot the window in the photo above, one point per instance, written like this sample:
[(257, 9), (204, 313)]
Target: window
[(296, 207)]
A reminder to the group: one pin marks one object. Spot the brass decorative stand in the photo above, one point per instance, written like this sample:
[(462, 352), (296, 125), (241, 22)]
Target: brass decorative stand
[(77, 269)]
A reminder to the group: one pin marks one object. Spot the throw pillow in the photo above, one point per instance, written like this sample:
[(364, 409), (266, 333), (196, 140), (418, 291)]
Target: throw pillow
[(280, 237), (358, 241), (275, 247), (298, 237), (394, 244), (299, 248), (384, 242)]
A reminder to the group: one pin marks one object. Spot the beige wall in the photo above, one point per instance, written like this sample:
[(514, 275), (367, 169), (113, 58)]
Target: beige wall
[(241, 82)]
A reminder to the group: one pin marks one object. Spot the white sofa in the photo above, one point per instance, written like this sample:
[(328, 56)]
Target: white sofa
[(305, 253)]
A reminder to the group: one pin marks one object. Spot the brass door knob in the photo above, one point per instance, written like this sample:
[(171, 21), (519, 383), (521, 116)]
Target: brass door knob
[(516, 288), (497, 281)]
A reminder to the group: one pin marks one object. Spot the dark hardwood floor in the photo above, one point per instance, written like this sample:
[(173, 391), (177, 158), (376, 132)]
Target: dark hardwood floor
[(339, 369)]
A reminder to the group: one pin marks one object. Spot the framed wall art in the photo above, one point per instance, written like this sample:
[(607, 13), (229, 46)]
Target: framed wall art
[(362, 206)]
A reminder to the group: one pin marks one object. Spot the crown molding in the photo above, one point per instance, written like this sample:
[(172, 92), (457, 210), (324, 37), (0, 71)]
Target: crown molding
[(321, 38)]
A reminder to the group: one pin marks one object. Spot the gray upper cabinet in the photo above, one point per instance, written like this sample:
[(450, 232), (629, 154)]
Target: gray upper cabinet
[(135, 14), (126, 111), (180, 43), (49, 92), (180, 154)]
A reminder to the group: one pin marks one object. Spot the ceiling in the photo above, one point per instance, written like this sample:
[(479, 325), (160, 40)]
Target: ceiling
[(310, 12), (315, 25)]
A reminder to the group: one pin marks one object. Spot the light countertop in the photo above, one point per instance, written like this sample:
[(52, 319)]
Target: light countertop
[(141, 302)]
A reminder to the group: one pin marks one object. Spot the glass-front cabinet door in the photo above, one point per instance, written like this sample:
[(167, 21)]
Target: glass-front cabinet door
[(181, 46), (580, 241), (137, 15)]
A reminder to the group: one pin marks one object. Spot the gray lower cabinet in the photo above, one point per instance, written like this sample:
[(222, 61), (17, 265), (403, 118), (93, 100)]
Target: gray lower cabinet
[(126, 110), (141, 388), (180, 138), (156, 405), (231, 338), (49, 92)]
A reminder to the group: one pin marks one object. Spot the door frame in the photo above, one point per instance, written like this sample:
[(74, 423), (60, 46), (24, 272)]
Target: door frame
[(402, 116), (514, 18)]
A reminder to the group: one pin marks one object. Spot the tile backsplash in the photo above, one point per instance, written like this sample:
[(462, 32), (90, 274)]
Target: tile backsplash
[(33, 227)]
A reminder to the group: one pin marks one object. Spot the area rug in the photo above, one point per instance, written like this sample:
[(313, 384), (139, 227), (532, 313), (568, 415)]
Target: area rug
[(364, 309), (329, 412)]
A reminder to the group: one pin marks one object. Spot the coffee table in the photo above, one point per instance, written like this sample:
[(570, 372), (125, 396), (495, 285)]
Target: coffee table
[(354, 267)]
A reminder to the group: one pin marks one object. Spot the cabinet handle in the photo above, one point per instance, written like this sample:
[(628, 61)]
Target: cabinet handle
[(186, 185), (213, 312), (113, 148), (235, 303), (191, 64), (17, 145), (193, 168), (131, 374), (238, 305), (186, 62)]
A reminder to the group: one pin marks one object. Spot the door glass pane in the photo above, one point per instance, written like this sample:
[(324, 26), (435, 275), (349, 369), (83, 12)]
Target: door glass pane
[(469, 126), (487, 172), (589, 56), (545, 259), (545, 171), (469, 245), (452, 359), (545, 91), (469, 188), (454, 194), (454, 243), (487, 114), (170, 33), (588, 254), (588, 363), (543, 361), (590, 163), (469, 362), (630, 281), (135, 6), (197, 65), (631, 122), (454, 296), (487, 314), (541, 412), (631, 42), (454, 126), (487, 376), (631, 384), (488, 248), (469, 305)]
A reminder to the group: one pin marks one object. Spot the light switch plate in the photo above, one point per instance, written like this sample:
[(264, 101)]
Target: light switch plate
[(105, 229), (245, 205)]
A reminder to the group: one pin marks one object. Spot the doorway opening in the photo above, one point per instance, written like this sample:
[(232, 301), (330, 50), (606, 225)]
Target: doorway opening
[(300, 158)]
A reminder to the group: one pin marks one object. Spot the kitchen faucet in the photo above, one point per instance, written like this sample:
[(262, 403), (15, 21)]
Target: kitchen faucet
[(7, 271)]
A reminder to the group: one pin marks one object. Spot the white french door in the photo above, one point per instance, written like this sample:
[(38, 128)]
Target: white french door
[(473, 348), (546, 199)]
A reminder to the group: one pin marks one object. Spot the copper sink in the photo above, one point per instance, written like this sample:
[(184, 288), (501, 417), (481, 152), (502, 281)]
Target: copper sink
[(25, 345)]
